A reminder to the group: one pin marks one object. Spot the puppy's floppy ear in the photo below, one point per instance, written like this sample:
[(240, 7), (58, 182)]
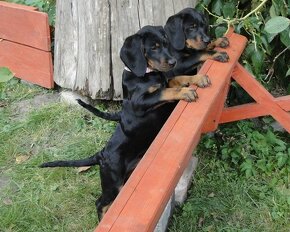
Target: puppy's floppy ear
[(174, 31), (133, 56)]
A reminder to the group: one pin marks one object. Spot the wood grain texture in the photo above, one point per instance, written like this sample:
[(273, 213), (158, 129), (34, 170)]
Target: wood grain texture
[(90, 34), (24, 25), (82, 48)]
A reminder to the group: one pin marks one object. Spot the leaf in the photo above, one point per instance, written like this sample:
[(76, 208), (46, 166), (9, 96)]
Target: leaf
[(288, 72), (282, 159), (271, 137), (229, 10), (258, 60), (272, 11), (220, 31), (277, 24), (22, 158), (270, 36), (285, 38), (83, 169), (217, 6), (278, 148), (5, 74)]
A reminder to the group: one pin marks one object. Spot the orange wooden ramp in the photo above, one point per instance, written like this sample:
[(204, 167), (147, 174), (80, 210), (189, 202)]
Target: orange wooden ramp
[(25, 43), (142, 200)]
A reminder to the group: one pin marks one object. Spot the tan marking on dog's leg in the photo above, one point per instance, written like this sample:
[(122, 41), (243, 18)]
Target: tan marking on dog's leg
[(218, 56), (187, 94), (183, 80), (154, 88), (105, 209)]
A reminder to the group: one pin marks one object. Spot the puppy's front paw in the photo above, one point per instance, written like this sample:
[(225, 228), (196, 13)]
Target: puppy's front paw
[(223, 42), (221, 57), (202, 81), (188, 94)]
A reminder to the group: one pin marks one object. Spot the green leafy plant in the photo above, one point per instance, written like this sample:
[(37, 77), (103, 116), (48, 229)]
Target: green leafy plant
[(5, 74), (266, 25), (251, 150)]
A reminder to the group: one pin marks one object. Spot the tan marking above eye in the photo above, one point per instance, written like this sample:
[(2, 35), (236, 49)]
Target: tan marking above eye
[(155, 46)]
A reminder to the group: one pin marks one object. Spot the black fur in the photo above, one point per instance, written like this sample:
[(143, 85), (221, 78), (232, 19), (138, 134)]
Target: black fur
[(145, 108)]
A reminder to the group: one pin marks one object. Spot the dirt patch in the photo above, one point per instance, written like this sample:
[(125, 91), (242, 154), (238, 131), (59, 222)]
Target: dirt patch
[(22, 108)]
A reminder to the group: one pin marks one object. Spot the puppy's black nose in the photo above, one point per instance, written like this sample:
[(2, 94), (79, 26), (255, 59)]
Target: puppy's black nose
[(172, 62)]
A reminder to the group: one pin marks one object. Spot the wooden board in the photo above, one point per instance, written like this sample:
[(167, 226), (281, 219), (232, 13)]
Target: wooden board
[(90, 34), (143, 198), (251, 110), (27, 63), (24, 25), (261, 96)]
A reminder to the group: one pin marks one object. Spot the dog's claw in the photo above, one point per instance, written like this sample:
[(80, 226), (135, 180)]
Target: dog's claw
[(204, 82), (190, 95), (221, 57), (224, 42)]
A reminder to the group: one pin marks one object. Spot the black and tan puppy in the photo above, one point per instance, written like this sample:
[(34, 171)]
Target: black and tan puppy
[(190, 45), (146, 106), (188, 34)]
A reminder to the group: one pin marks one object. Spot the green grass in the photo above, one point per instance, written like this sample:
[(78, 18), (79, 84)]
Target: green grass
[(59, 199), (221, 200)]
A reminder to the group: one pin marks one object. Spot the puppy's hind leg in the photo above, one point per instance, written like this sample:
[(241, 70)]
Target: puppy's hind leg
[(112, 180)]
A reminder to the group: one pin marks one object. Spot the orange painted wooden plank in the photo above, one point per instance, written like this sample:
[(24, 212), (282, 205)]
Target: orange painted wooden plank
[(284, 102), (261, 96), (27, 63), (143, 198), (212, 121), (251, 110), (24, 25)]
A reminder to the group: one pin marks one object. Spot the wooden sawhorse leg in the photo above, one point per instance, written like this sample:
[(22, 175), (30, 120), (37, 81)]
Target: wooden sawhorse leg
[(264, 99)]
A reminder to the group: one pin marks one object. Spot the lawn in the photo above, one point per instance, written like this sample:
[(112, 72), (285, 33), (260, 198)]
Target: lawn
[(34, 199), (225, 195)]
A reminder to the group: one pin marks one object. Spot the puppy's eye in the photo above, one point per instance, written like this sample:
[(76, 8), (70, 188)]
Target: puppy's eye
[(193, 26), (155, 47)]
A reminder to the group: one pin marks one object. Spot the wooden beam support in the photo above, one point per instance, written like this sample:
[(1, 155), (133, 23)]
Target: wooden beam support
[(251, 110), (261, 96)]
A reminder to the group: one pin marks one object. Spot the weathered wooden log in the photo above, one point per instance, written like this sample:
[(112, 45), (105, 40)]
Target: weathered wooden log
[(89, 35)]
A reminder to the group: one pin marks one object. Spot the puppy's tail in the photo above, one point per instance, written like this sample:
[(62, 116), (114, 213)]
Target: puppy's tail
[(90, 161), (114, 116)]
